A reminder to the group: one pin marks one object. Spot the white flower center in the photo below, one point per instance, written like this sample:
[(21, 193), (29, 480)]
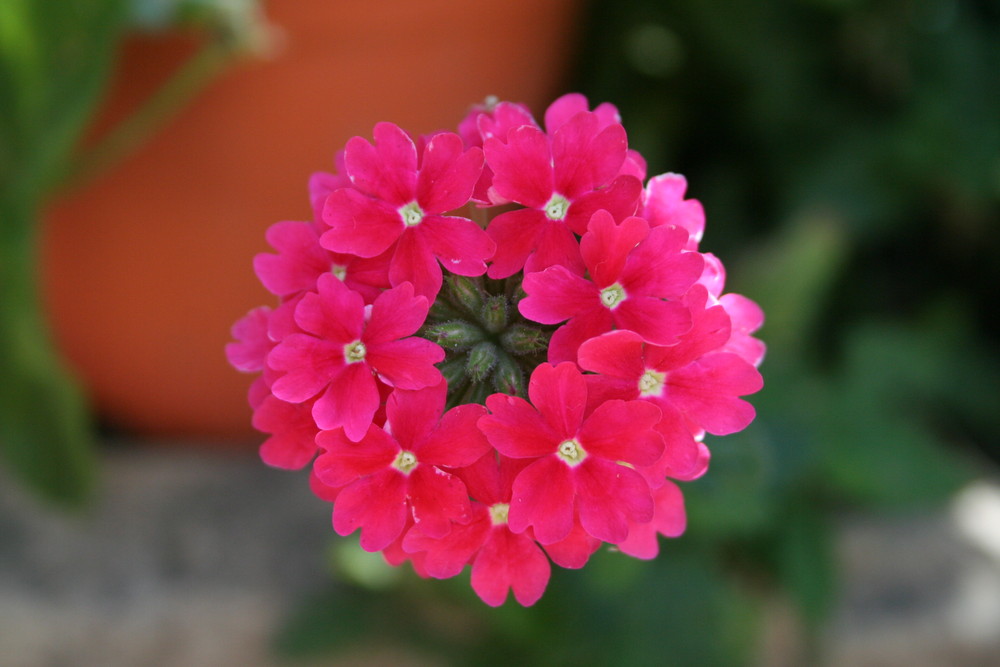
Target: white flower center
[(411, 214), (612, 295), (557, 207), (405, 462), (340, 272), (498, 513), (651, 383), (355, 352), (571, 452)]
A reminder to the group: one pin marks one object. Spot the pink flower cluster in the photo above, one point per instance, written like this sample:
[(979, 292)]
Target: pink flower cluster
[(498, 347)]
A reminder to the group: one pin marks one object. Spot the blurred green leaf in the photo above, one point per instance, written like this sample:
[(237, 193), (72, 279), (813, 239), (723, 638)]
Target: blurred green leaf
[(790, 277), (881, 446), (54, 60), (805, 564)]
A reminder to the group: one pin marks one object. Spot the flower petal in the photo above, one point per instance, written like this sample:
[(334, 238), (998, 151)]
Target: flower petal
[(559, 393), (407, 363), (359, 225), (377, 505), (542, 499), (509, 561), (448, 173), (386, 170), (516, 429)]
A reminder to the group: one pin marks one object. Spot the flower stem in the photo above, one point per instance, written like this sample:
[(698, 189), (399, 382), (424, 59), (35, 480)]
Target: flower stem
[(132, 132)]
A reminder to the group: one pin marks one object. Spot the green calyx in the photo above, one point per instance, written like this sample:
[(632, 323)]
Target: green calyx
[(489, 347)]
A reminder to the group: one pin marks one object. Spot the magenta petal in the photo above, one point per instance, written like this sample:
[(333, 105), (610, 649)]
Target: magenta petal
[(515, 234), (564, 108), (658, 322), (559, 393), (293, 441), (522, 168), (407, 363), (460, 245), (335, 314), (414, 262), (344, 461), (567, 339), (623, 431), (350, 401), (616, 353), (412, 414), (575, 550), (657, 267), (683, 457), (669, 519), (542, 498), (555, 246), (620, 198), (437, 497), (396, 313), (457, 441), (359, 225), (249, 352), (606, 246), (516, 429), (584, 157), (447, 174), (665, 205), (706, 390), (310, 364), (299, 262), (509, 561), (556, 294), (610, 495), (377, 505), (386, 170), (447, 556)]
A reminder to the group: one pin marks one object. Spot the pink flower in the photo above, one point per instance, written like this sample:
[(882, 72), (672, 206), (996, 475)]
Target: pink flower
[(637, 275), (562, 180), (705, 389), (581, 461), (664, 204), (399, 204), (398, 469), (669, 520), (292, 444), (501, 560), (493, 119), (747, 317), (252, 345), (342, 350), (301, 260), (595, 290)]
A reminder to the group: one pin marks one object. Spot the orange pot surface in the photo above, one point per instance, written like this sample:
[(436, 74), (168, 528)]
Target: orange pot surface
[(147, 269)]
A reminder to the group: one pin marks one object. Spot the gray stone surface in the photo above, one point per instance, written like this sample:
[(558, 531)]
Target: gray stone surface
[(187, 558), (192, 559)]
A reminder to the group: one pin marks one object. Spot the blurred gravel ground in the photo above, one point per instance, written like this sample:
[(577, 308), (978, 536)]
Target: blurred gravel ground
[(191, 558)]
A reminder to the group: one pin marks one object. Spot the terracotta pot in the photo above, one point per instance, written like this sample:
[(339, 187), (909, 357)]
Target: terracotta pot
[(146, 270)]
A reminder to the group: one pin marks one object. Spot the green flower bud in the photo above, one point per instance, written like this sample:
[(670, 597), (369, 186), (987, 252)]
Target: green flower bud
[(441, 311), (520, 339), (508, 378), (464, 292), (482, 358), (453, 370), (493, 314), (454, 335)]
